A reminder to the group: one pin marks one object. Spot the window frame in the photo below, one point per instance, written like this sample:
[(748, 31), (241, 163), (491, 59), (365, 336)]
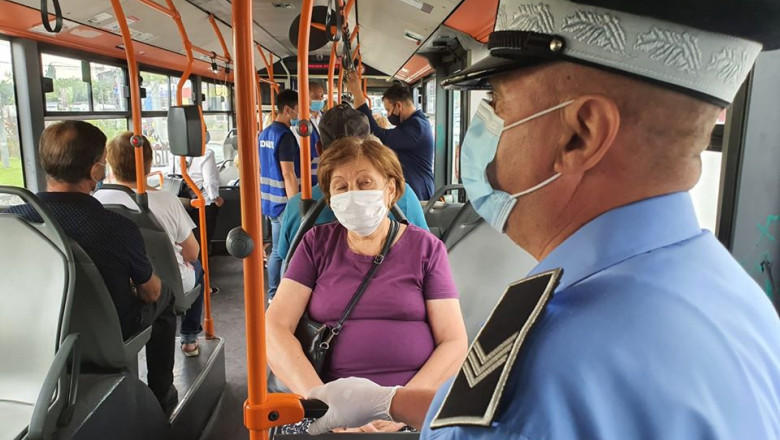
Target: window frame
[(10, 41)]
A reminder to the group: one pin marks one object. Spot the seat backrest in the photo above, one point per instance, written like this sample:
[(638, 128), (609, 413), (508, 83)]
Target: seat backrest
[(94, 316), (35, 289), (158, 245), (484, 262)]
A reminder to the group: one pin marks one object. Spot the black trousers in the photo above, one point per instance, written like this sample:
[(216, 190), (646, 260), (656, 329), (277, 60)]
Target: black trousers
[(161, 346)]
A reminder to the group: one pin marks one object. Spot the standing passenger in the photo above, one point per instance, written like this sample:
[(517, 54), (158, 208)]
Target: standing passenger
[(280, 172), (411, 139)]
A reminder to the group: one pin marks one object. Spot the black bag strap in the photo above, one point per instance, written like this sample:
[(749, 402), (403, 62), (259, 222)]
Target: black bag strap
[(378, 260)]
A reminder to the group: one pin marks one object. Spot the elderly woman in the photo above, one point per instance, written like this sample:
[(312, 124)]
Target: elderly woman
[(407, 328)]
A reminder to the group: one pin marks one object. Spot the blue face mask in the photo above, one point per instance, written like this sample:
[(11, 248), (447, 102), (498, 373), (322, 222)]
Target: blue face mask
[(317, 106), (478, 151), (294, 122)]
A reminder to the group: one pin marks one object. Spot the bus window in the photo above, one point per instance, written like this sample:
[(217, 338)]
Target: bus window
[(217, 97), (218, 126), (71, 89), (430, 104), (10, 149), (156, 130), (456, 135), (107, 85), (186, 92), (158, 92)]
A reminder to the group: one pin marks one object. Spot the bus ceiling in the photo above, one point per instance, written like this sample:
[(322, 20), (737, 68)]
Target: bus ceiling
[(386, 48)]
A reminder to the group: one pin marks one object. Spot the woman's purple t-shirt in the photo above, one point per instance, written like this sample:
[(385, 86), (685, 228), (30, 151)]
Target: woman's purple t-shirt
[(387, 337)]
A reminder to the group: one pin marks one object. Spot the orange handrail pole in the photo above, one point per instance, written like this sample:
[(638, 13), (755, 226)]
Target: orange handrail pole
[(354, 34), (200, 201), (356, 52), (259, 103), (160, 175), (365, 87), (303, 95), (221, 39), (250, 211), (210, 53), (269, 67), (341, 80), (160, 8), (135, 93), (331, 71), (319, 26), (348, 8), (259, 404)]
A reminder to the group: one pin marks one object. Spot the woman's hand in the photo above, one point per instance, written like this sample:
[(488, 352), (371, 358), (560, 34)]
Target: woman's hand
[(375, 426)]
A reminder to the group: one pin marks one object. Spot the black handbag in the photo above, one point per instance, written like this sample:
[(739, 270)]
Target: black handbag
[(317, 338)]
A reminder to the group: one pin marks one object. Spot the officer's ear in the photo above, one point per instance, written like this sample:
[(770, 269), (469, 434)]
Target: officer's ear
[(592, 122)]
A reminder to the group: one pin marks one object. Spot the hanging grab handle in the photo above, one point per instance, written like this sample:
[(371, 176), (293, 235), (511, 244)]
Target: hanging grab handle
[(57, 16)]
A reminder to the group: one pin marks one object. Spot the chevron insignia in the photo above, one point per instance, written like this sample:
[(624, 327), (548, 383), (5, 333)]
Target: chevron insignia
[(475, 393), (479, 365)]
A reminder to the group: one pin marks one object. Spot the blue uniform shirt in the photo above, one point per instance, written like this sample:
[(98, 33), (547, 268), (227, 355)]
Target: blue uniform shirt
[(655, 332), (412, 141), (291, 219)]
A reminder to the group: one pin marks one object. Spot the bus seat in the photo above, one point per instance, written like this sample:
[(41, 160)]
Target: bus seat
[(174, 184), (482, 277), (229, 215), (158, 245), (37, 296), (439, 215), (95, 319)]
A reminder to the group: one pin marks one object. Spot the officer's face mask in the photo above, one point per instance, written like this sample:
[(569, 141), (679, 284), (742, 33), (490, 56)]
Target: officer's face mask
[(478, 151), (98, 175), (360, 211)]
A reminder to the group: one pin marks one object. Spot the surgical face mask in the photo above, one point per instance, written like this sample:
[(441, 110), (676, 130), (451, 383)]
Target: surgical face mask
[(317, 106), (294, 122), (478, 151), (360, 211)]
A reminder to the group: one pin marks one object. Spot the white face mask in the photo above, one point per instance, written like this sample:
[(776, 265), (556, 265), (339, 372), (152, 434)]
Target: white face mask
[(360, 211)]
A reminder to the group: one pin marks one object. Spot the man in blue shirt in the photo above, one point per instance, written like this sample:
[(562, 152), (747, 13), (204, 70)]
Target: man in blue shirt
[(583, 157), (411, 139), (280, 172), (338, 122)]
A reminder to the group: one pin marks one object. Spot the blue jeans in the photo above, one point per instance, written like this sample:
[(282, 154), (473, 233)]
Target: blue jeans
[(190, 322), (274, 260)]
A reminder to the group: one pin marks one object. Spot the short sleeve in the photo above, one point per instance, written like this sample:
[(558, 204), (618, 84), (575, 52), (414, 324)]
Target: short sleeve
[(302, 267), (287, 150), (184, 223), (437, 276), (138, 263), (291, 221)]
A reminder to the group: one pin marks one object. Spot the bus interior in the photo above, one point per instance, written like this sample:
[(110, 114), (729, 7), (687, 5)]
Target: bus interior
[(198, 75)]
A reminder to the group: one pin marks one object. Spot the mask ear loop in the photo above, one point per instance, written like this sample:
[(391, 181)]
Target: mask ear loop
[(537, 115)]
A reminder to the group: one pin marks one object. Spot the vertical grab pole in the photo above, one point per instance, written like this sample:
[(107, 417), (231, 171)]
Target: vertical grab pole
[(331, 71), (135, 94), (200, 201), (250, 213), (303, 95)]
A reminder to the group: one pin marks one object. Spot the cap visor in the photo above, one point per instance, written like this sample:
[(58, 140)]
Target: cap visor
[(476, 76)]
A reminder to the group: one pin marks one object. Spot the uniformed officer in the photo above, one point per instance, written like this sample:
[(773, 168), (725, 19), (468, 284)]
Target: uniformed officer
[(280, 173), (584, 156)]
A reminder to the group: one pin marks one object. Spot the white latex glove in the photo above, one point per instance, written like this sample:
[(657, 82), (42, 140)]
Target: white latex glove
[(351, 402)]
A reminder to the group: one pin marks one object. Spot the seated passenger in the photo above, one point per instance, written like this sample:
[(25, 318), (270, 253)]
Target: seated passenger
[(339, 122), (169, 211), (73, 155), (407, 328)]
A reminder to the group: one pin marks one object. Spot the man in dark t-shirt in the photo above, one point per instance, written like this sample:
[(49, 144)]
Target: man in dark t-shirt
[(73, 155)]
